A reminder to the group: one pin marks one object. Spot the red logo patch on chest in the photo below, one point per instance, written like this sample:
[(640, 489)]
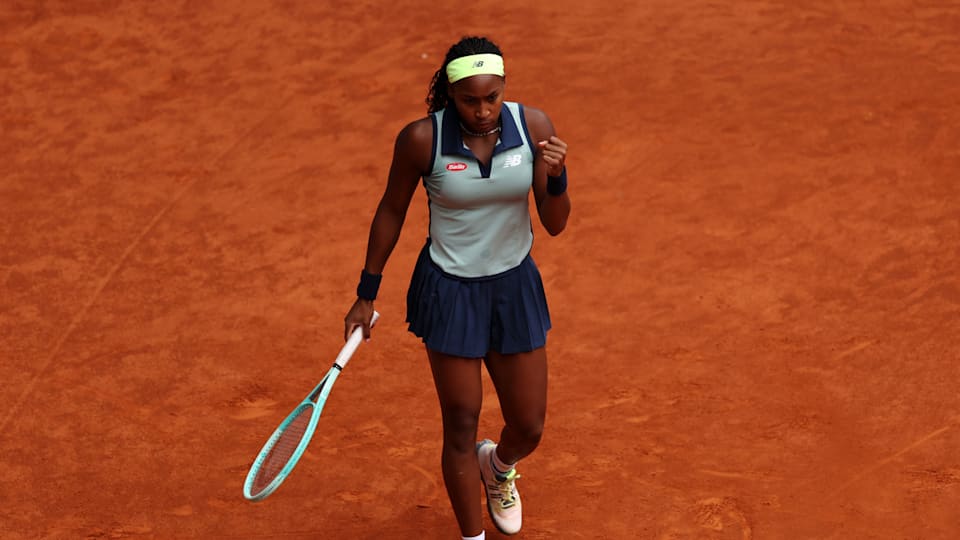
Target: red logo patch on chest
[(458, 166)]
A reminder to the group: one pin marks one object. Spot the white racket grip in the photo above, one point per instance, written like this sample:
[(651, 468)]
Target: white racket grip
[(351, 345)]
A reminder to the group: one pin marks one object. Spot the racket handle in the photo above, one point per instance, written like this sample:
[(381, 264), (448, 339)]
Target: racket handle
[(351, 345)]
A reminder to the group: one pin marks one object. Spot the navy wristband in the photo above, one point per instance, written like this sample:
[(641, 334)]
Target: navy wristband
[(557, 185), (369, 285)]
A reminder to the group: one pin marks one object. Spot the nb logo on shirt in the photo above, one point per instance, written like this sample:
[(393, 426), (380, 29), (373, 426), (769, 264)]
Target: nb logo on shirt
[(513, 160)]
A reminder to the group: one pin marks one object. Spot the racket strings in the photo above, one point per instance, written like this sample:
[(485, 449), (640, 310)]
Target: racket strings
[(282, 450)]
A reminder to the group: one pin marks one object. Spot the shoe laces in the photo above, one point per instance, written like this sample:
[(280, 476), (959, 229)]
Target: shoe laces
[(506, 488)]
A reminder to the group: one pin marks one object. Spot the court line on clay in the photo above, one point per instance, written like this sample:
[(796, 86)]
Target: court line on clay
[(108, 277), (741, 475), (873, 468), (856, 348)]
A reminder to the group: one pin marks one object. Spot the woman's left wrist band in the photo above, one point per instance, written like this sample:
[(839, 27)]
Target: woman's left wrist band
[(369, 285), (557, 185)]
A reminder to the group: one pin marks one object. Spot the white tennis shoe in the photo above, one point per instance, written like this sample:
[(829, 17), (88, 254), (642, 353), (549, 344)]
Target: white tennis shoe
[(503, 499)]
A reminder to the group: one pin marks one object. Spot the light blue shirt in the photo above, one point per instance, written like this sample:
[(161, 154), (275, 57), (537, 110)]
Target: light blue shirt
[(480, 216)]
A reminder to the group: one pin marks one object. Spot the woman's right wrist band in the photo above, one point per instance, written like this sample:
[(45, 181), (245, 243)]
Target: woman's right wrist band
[(369, 285), (557, 185)]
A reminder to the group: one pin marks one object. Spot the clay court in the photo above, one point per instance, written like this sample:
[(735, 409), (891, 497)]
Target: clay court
[(756, 305)]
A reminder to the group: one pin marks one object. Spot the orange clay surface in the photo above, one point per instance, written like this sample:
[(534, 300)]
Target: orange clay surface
[(756, 303)]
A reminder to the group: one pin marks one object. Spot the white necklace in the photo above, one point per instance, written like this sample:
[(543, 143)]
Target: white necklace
[(475, 134)]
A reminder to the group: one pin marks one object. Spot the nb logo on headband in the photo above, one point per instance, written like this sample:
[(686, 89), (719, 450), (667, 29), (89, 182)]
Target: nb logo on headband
[(478, 63)]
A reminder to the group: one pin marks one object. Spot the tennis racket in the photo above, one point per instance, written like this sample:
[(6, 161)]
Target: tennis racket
[(279, 456)]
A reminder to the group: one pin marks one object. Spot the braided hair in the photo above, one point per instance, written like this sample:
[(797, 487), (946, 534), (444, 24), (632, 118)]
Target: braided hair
[(437, 96)]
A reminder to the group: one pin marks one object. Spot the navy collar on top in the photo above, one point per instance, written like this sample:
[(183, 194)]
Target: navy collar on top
[(452, 142)]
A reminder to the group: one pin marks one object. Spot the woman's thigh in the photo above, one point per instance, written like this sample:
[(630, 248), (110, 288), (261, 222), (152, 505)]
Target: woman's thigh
[(459, 389), (521, 383)]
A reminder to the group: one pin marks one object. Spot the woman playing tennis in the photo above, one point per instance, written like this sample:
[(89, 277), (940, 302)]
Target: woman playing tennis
[(476, 294)]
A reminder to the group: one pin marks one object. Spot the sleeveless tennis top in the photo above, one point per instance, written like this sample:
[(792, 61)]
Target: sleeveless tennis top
[(479, 213)]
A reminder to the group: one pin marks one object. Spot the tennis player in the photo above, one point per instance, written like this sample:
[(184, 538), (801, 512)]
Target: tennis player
[(476, 295)]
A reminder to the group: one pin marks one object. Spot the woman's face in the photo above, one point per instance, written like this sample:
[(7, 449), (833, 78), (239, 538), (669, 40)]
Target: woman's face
[(478, 100)]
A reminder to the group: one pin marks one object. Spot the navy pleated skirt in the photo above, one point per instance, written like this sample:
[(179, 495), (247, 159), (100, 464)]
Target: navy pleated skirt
[(467, 317)]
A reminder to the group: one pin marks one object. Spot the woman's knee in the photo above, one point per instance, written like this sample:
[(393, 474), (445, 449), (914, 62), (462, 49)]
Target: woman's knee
[(460, 428)]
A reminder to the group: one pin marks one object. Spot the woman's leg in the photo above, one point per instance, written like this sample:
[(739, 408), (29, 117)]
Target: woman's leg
[(521, 383), (459, 388)]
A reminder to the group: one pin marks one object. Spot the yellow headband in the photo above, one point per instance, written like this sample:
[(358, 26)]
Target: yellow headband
[(475, 64)]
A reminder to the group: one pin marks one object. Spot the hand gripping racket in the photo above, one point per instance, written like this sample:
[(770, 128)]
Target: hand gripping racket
[(280, 455)]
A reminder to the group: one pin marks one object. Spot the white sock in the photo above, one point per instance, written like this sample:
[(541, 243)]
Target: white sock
[(481, 536), (499, 466)]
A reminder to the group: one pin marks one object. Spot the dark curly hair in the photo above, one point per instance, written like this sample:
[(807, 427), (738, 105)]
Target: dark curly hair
[(437, 96)]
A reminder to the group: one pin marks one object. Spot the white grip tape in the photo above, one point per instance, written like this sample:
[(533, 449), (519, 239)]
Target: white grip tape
[(351, 345)]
